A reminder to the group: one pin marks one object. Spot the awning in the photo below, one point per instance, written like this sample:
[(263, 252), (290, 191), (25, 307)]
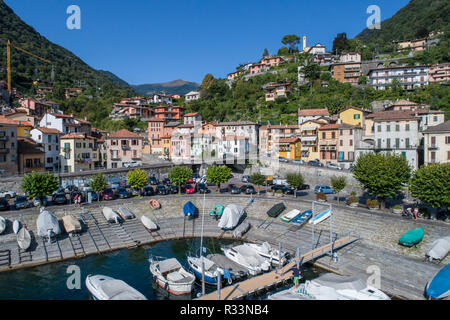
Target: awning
[(309, 138), (308, 128)]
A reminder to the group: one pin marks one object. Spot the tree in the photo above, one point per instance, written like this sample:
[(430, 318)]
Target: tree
[(218, 174), (265, 53), (283, 51), (422, 33), (296, 181), (431, 184), (98, 183), (292, 41), (179, 175), (325, 76), (258, 179), (338, 184), (340, 43), (137, 178), (311, 72), (37, 184), (382, 175), (363, 80), (207, 82)]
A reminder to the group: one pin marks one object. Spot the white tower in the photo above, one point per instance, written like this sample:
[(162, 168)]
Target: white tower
[(304, 43)]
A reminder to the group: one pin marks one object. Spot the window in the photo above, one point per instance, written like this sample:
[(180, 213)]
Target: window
[(388, 128), (2, 158), (448, 155), (323, 135), (433, 141), (49, 147), (341, 143), (397, 127), (447, 140), (435, 118), (78, 145), (351, 142), (379, 143), (388, 143), (333, 135), (49, 139), (407, 127), (379, 129), (397, 143), (356, 116), (407, 142), (49, 160), (13, 158)]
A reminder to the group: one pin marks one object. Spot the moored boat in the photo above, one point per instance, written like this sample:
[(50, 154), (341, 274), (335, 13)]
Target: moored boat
[(148, 223), (24, 238), (125, 213), (248, 258), (320, 217), (47, 224), (211, 270), (107, 288), (290, 215), (16, 226), (412, 237), (439, 249), (302, 218), (154, 204), (217, 210), (170, 275), (2, 224), (276, 210), (439, 286), (111, 215), (266, 251), (71, 224), (190, 210)]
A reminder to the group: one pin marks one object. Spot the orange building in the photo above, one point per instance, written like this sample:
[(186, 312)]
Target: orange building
[(328, 141), (168, 112)]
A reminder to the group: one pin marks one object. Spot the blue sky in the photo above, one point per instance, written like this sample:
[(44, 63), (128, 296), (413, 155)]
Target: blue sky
[(147, 41)]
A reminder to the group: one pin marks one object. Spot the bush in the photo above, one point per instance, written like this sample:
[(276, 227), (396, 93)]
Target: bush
[(397, 206), (372, 203), (352, 199), (321, 196)]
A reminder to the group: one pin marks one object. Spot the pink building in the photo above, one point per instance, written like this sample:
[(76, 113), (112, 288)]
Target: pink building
[(439, 73)]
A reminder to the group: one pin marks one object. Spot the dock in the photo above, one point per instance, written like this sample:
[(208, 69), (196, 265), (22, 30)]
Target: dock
[(276, 277)]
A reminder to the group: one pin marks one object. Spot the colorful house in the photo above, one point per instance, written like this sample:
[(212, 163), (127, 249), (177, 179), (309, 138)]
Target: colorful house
[(290, 148), (328, 141), (353, 116)]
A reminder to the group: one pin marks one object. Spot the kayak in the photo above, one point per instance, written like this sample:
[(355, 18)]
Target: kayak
[(439, 286), (412, 237), (276, 210), (217, 210)]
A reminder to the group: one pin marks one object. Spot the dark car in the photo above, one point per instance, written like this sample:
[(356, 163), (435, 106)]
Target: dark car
[(202, 188), (284, 189), (248, 189), (71, 188), (315, 163), (147, 191), (59, 198), (108, 194), (21, 202), (153, 181), (172, 189), (282, 159), (4, 204), (231, 188), (166, 181), (161, 189), (123, 193)]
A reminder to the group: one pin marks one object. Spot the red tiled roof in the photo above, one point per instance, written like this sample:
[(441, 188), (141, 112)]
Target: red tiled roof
[(392, 115), (289, 140), (124, 133), (58, 115), (313, 112), (234, 138), (192, 114), (48, 130), (333, 126), (4, 120), (73, 136)]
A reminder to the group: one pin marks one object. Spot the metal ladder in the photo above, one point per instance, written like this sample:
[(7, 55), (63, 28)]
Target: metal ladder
[(76, 244), (5, 257), (24, 255), (96, 233)]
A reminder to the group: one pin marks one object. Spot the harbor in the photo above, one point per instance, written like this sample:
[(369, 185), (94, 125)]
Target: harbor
[(403, 276)]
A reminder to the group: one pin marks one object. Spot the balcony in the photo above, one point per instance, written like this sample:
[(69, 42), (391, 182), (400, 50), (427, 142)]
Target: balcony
[(433, 147), (4, 151), (4, 138), (125, 147)]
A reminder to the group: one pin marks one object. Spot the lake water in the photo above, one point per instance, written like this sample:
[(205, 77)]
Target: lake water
[(49, 282)]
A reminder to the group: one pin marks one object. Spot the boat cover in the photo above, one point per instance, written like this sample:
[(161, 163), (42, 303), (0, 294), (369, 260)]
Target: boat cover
[(217, 210), (189, 209), (439, 248), (412, 237), (276, 210), (439, 286), (169, 265), (230, 216), (119, 290), (127, 214), (340, 282), (47, 221), (71, 223), (241, 229)]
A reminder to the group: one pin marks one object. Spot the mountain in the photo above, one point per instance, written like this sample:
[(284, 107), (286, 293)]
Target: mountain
[(416, 19), (69, 69), (179, 86), (115, 79)]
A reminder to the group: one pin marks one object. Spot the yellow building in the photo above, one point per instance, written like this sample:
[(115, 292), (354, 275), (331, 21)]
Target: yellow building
[(353, 116), (310, 146), (290, 148), (77, 152), (166, 147), (24, 128)]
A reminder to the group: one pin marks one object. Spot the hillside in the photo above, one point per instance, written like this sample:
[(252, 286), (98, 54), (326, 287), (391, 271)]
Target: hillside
[(179, 86), (418, 16), (68, 67)]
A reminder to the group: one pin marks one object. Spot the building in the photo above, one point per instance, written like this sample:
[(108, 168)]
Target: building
[(309, 140), (257, 68), (402, 105), (49, 140), (439, 73), (72, 92), (35, 107), (236, 74), (8, 147), (155, 133), (270, 134), (167, 147), (311, 114), (193, 118), (123, 110), (43, 91), (324, 59), (169, 112), (161, 98), (61, 122), (413, 45), (409, 78), (316, 49), (437, 143), (289, 148), (350, 57), (346, 72), (275, 90), (272, 61), (246, 129), (191, 96), (349, 138), (182, 141), (20, 115), (77, 152), (231, 149), (353, 116), (123, 146), (328, 141), (30, 155)]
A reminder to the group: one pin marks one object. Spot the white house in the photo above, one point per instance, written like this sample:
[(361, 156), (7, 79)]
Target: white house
[(193, 95), (409, 77), (61, 122), (49, 139)]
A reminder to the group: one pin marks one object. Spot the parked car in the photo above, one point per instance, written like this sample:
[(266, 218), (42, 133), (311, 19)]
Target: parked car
[(70, 188), (247, 189), (7, 194), (123, 193), (190, 180), (323, 188), (147, 191), (233, 189), (283, 159), (94, 195), (171, 189), (202, 188), (161, 189), (59, 190), (298, 161), (153, 181), (166, 181), (21, 202), (38, 201), (59, 198), (4, 204), (304, 187), (131, 164), (333, 166), (285, 189), (245, 178), (315, 163), (108, 194), (189, 189)]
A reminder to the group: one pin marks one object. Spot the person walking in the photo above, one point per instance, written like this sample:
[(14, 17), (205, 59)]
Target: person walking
[(416, 213), (296, 274)]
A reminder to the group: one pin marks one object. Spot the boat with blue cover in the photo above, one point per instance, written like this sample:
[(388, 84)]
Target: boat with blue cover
[(189, 209), (439, 286)]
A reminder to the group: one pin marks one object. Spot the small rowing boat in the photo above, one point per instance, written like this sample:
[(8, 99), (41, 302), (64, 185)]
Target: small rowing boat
[(320, 217), (2, 224), (290, 215), (154, 204), (107, 288), (412, 237), (24, 238), (148, 223), (16, 226), (125, 213), (302, 217), (111, 215)]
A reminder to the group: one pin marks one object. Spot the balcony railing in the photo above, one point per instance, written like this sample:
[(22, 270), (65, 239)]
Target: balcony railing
[(125, 147), (4, 150), (433, 147)]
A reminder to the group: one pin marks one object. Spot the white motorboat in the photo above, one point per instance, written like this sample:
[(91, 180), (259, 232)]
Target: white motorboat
[(24, 238), (320, 217), (107, 288), (148, 223), (111, 215), (248, 258), (266, 251), (2, 224), (211, 270), (16, 226), (312, 293), (170, 275), (351, 288)]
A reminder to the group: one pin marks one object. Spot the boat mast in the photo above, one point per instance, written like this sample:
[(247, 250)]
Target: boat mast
[(201, 247)]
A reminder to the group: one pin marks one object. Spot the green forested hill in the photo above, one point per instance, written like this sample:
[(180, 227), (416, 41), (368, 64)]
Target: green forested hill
[(68, 67), (417, 18)]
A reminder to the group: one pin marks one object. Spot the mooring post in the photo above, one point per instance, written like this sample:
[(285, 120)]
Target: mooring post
[(298, 257)]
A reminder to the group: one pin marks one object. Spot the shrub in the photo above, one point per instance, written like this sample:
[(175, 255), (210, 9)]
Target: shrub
[(397, 206), (372, 203), (321, 196), (352, 199)]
